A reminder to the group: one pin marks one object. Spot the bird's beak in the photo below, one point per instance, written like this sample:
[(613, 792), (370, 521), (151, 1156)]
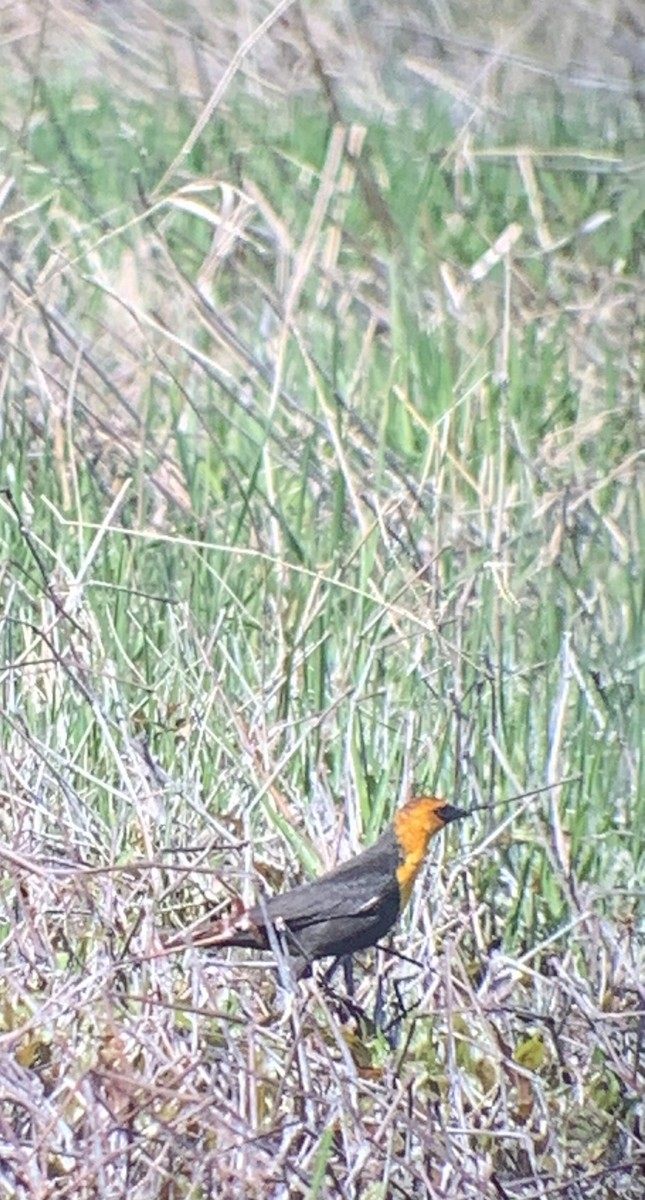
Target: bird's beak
[(448, 812)]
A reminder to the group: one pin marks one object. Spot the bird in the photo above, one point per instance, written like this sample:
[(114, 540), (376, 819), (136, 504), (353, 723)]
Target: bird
[(346, 909)]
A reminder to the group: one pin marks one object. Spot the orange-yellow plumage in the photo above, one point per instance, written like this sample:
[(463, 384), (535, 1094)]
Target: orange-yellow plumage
[(414, 825)]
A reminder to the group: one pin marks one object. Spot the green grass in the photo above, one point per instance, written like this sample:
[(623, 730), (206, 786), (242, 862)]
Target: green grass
[(262, 576)]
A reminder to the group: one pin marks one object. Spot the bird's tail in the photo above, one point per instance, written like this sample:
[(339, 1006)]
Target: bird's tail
[(237, 928)]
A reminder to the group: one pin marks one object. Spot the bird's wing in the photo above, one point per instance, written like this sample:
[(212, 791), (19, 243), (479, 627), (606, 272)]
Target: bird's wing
[(353, 889)]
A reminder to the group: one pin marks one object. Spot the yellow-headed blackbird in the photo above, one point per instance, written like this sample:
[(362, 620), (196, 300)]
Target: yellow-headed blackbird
[(345, 910)]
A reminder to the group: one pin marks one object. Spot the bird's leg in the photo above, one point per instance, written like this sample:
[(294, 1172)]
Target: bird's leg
[(347, 963)]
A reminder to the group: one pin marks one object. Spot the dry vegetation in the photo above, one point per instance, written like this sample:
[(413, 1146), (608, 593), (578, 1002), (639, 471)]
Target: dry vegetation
[(321, 452)]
